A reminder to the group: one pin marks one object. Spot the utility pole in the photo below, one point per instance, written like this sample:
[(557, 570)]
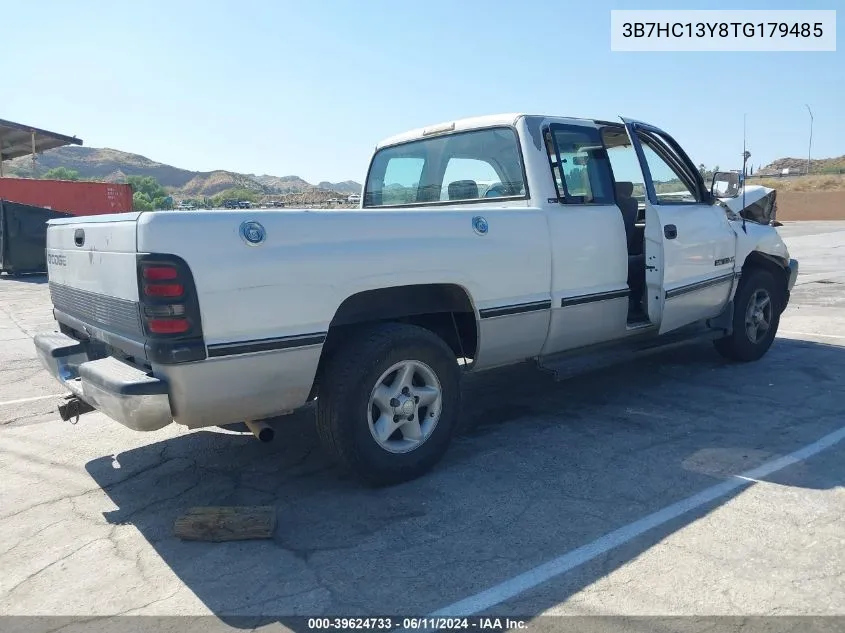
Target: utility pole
[(810, 149), (745, 153)]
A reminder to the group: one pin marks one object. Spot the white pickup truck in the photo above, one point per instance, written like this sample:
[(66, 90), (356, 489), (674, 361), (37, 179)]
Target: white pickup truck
[(478, 243)]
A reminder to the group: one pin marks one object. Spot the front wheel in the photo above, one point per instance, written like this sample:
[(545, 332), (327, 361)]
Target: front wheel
[(756, 317), (389, 402)]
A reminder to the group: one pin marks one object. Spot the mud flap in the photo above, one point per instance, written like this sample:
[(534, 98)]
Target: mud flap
[(724, 320)]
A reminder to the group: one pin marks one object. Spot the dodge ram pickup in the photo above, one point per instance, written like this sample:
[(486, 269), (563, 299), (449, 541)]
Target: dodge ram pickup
[(477, 243)]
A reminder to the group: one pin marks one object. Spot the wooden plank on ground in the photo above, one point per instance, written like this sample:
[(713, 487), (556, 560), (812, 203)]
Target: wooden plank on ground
[(226, 523)]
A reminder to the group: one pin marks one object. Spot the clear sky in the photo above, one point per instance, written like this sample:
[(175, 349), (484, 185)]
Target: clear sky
[(307, 87)]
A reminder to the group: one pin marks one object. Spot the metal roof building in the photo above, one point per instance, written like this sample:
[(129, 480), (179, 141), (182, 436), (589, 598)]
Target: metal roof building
[(17, 139)]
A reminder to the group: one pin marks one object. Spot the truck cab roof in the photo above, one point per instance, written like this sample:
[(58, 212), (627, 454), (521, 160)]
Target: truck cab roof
[(477, 122)]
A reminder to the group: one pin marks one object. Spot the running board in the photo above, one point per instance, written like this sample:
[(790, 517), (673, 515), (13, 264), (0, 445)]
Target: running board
[(572, 363)]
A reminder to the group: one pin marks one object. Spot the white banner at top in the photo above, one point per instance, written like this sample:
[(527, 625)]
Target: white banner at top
[(723, 30)]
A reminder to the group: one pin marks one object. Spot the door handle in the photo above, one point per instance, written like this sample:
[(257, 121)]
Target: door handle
[(670, 231)]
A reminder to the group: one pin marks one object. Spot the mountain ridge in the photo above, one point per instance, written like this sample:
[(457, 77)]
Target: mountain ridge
[(112, 165)]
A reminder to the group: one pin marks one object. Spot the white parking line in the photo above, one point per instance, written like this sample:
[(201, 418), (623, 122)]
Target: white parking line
[(790, 333), (22, 400), (569, 561)]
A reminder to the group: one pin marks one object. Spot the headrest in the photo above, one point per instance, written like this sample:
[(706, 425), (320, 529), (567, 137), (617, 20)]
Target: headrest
[(463, 190), (624, 189)]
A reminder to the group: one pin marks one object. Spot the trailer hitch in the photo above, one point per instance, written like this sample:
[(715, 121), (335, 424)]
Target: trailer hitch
[(73, 408)]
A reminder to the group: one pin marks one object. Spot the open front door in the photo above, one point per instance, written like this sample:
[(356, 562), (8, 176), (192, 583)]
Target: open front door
[(689, 243)]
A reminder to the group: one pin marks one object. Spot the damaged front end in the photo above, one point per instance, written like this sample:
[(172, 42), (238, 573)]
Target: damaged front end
[(755, 204)]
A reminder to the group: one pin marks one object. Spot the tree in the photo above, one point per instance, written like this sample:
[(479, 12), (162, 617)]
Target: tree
[(236, 194), (61, 173), (141, 202), (240, 193), (147, 192)]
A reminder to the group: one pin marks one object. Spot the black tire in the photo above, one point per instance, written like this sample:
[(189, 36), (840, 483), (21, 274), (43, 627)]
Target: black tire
[(347, 382), (739, 346)]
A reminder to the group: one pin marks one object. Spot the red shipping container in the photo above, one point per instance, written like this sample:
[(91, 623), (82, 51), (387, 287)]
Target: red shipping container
[(77, 198)]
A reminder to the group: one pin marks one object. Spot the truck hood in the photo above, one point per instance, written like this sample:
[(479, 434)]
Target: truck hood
[(758, 204)]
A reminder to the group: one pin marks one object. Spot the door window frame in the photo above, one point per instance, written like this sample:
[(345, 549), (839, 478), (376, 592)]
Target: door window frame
[(659, 141)]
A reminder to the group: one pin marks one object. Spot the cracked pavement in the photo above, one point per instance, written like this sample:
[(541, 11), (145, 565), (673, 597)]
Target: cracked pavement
[(540, 468)]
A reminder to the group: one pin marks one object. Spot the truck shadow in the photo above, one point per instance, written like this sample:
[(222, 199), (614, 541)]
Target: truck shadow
[(540, 468), (27, 278)]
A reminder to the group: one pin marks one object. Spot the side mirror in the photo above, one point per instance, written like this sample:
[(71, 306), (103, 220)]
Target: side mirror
[(726, 184)]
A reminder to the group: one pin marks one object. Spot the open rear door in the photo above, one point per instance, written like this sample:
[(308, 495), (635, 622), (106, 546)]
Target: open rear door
[(689, 243)]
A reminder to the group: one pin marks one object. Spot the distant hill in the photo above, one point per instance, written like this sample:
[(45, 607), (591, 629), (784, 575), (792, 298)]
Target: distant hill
[(799, 165), (113, 165), (347, 186), (283, 184)]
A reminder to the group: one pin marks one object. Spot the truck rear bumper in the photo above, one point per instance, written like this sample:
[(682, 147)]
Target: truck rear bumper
[(120, 390)]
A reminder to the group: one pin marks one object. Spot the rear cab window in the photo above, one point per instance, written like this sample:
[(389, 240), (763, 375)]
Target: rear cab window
[(461, 167)]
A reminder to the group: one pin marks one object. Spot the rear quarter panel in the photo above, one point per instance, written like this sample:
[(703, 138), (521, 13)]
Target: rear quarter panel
[(311, 261)]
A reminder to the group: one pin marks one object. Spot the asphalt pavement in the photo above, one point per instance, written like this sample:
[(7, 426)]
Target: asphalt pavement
[(675, 485)]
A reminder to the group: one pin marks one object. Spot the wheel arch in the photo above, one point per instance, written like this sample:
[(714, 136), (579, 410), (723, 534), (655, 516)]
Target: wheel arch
[(447, 309), (772, 263)]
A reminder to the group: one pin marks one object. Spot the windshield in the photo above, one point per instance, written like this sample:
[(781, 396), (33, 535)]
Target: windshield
[(462, 167)]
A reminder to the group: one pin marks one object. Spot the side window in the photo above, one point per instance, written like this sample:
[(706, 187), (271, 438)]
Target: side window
[(579, 165), (627, 173), (459, 173), (672, 182), (401, 179)]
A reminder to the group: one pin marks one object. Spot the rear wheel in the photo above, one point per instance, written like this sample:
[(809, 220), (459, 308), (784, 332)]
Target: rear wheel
[(388, 403), (756, 317)]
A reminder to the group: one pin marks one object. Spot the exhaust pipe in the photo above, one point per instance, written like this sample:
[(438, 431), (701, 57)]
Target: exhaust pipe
[(73, 408), (263, 431)]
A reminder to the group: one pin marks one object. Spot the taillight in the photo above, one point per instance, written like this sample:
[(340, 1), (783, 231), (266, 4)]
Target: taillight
[(168, 326), (160, 273), (163, 290), (169, 310), (164, 311), (168, 298)]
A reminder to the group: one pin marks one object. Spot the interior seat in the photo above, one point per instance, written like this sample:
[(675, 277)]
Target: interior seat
[(630, 209), (463, 190), (634, 240)]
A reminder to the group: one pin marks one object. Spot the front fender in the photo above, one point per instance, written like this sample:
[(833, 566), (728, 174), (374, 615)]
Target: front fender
[(763, 239), (763, 245)]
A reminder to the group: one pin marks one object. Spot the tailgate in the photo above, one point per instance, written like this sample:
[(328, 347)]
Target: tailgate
[(92, 268)]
